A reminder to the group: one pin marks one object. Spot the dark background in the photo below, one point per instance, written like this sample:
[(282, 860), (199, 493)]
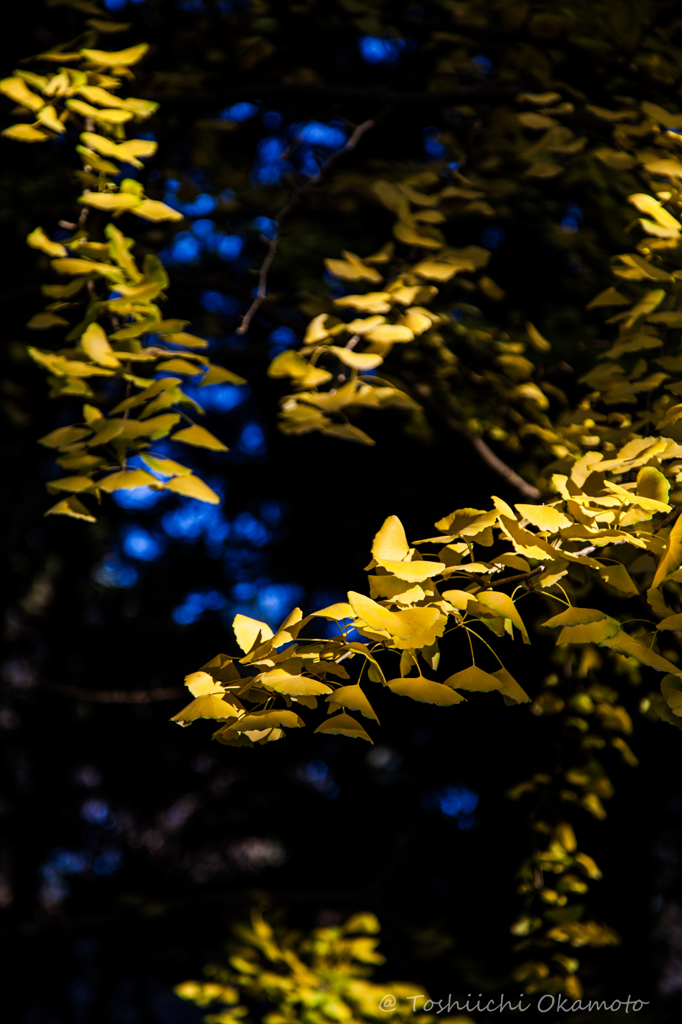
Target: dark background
[(128, 847)]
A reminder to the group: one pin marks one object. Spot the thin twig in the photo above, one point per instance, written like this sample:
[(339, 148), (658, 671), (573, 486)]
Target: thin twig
[(521, 578), (478, 444), (284, 212), (118, 696)]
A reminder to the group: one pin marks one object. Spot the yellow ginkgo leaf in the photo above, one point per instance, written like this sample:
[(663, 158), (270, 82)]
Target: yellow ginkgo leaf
[(474, 678), (503, 605), (155, 210), (165, 466), (248, 631), (391, 333), (343, 725), (391, 542), (39, 240), (16, 89), (408, 235), (352, 271), (126, 479), (281, 681), (63, 436), (200, 683), (510, 688), (43, 321), (647, 204), (48, 117), (219, 375), (288, 364), (412, 572), (199, 437), (413, 627), (633, 648), (119, 58), (192, 487), (338, 611), (434, 270), (425, 690), (590, 632), (208, 705), (356, 360), (353, 698), (95, 344), (180, 366), (370, 302), (109, 200), (671, 622), (672, 558), (617, 576), (268, 720), (575, 617), (71, 507), (544, 517), (70, 483), (24, 133)]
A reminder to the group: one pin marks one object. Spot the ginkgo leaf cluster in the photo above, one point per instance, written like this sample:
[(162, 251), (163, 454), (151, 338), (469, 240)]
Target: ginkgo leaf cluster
[(119, 331)]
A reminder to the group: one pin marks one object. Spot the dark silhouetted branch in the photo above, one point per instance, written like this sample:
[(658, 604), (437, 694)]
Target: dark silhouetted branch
[(284, 212)]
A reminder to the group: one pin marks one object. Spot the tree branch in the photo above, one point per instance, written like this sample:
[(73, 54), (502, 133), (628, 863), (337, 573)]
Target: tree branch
[(293, 201), (118, 696), (478, 444), (520, 578)]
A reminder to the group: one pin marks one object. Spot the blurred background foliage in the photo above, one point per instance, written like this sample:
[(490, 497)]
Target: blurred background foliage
[(128, 848)]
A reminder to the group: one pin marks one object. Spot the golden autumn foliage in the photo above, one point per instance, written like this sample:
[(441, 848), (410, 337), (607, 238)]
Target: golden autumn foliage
[(317, 978), (593, 554)]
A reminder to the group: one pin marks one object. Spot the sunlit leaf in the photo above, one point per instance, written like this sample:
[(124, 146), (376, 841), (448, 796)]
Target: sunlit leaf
[(156, 211), (120, 58), (544, 517), (503, 605), (64, 436), (109, 200), (125, 479), (268, 720), (356, 360), (248, 631), (208, 705), (344, 725), (71, 507), (95, 344), (474, 678), (199, 437), (25, 133), (425, 690), (391, 542), (192, 487), (353, 698), (43, 321)]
